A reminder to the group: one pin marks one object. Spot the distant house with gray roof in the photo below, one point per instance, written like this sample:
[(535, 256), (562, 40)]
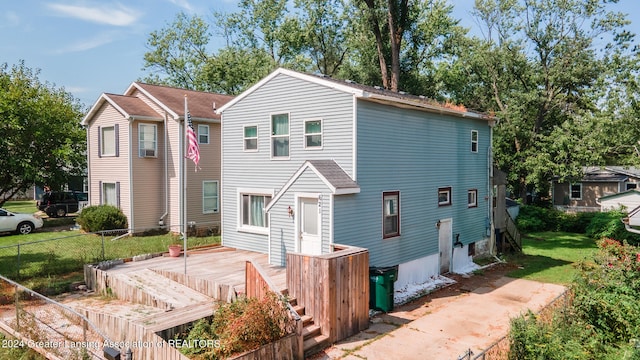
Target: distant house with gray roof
[(597, 183)]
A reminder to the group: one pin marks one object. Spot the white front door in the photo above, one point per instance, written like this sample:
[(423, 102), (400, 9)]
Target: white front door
[(309, 226), (445, 240)]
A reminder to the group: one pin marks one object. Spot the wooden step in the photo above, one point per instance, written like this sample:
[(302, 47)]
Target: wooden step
[(310, 331), (315, 344), (299, 309), (306, 320)]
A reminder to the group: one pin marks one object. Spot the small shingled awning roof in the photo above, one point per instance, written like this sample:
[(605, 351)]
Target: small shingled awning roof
[(334, 177)]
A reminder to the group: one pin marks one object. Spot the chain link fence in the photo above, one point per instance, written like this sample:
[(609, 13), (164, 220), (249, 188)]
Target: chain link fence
[(48, 265)]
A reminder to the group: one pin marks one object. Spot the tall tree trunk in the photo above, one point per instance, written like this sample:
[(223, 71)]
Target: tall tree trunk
[(375, 28), (397, 19)]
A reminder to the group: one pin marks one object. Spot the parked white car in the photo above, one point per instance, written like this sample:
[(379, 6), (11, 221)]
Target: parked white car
[(19, 223)]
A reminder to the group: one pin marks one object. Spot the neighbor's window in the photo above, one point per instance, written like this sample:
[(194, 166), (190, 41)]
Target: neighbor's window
[(474, 141), (110, 194), (210, 202), (250, 138), (203, 134), (280, 135), (630, 185), (252, 210), (576, 191), (472, 198), (444, 196), (390, 214), (147, 140), (108, 141), (313, 134)]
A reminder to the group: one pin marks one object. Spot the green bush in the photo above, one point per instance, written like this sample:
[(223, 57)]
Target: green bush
[(609, 225), (536, 219), (101, 217), (575, 223)]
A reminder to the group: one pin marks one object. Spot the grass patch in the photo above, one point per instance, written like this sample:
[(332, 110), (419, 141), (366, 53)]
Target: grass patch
[(549, 256), (13, 350), (50, 261), (22, 206)]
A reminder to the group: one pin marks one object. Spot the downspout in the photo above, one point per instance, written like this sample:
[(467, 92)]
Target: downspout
[(629, 228), (131, 223), (166, 176), (492, 228)]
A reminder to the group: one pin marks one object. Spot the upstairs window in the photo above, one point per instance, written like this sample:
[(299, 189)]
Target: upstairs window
[(444, 196), (251, 138), (313, 134), (280, 136), (108, 140), (210, 198), (203, 134), (147, 140), (474, 141), (576, 191), (390, 214)]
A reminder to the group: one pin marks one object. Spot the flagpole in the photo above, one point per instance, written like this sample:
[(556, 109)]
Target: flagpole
[(184, 184)]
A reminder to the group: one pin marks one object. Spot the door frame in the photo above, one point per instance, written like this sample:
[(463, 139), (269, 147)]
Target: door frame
[(450, 245), (297, 218)]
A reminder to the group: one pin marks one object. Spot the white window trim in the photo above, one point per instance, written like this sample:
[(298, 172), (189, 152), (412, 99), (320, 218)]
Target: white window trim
[(271, 136), (244, 138), (321, 133), (391, 193), (208, 134), (475, 198), (217, 210), (102, 142), (627, 183), (155, 142), (248, 228), (571, 191), (449, 191), (476, 141)]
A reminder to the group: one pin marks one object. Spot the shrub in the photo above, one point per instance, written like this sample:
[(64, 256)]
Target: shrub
[(575, 223), (101, 217), (533, 218), (609, 225), (240, 326)]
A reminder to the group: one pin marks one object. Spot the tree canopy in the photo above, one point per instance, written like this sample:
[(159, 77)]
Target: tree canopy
[(42, 142), (560, 75)]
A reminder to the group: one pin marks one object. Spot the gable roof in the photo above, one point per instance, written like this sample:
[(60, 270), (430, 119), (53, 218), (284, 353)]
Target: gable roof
[(171, 100), (620, 194), (370, 93), (333, 176), (609, 173), (200, 103)]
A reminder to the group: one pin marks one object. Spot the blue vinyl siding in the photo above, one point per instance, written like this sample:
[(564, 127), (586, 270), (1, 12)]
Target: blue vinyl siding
[(282, 226), (415, 153), (302, 101)]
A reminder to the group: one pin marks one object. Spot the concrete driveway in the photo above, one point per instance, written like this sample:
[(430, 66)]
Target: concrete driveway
[(449, 322)]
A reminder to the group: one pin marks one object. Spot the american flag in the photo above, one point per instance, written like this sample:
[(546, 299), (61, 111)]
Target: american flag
[(193, 151)]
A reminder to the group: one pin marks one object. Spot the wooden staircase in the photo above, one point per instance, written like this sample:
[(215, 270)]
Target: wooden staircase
[(314, 341), (512, 234)]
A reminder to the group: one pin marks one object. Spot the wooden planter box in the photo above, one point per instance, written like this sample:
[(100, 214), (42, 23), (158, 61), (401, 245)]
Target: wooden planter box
[(283, 349)]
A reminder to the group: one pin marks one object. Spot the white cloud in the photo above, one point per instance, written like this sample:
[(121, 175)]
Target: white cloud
[(9, 19), (183, 4), (87, 44), (111, 14)]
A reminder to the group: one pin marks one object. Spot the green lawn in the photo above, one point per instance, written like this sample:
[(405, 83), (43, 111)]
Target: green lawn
[(25, 206), (549, 256)]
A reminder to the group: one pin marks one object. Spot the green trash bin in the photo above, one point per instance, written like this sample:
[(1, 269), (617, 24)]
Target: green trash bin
[(381, 280)]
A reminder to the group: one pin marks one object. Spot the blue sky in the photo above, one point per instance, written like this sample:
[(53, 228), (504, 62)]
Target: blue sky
[(95, 46)]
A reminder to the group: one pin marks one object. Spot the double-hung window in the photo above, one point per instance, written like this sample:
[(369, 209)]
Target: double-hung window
[(474, 141), (250, 138), (252, 214), (110, 193), (147, 140), (280, 136), (576, 191), (390, 214), (107, 141), (210, 197), (313, 134), (203, 134)]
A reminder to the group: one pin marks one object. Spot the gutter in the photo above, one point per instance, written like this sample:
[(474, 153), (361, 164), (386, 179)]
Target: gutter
[(166, 180), (629, 228)]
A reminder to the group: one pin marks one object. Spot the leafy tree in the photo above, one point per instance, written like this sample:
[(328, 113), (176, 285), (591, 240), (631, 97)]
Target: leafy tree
[(42, 142), (178, 53), (539, 68)]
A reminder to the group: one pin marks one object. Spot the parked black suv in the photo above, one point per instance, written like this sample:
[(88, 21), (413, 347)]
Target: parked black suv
[(58, 203)]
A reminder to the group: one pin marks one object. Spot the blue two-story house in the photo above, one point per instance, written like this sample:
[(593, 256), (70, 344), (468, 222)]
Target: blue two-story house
[(309, 161)]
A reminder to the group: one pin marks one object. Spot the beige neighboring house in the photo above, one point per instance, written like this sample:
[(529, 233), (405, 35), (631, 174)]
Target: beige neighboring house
[(135, 151)]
